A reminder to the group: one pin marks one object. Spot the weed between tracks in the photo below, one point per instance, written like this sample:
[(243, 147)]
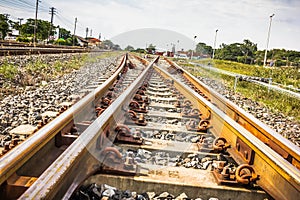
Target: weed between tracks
[(8, 70)]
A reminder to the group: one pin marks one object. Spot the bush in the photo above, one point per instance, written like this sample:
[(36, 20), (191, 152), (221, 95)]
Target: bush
[(24, 39)]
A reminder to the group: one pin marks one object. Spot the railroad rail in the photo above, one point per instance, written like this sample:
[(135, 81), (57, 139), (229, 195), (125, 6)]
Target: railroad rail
[(23, 163), (161, 134), (8, 48), (278, 143)]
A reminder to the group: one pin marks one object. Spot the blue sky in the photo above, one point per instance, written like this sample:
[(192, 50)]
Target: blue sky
[(236, 20)]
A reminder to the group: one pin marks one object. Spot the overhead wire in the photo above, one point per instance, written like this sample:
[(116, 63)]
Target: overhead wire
[(15, 4), (23, 5), (30, 6)]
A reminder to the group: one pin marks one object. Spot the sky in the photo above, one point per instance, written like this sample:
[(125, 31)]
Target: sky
[(235, 20)]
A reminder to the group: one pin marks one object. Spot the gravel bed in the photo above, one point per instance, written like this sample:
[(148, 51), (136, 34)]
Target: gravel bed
[(27, 107), (22, 60), (23, 77), (107, 192), (286, 126)]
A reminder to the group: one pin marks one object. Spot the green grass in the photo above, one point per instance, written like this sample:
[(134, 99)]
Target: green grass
[(275, 101), (36, 67), (282, 75), (8, 70), (48, 71)]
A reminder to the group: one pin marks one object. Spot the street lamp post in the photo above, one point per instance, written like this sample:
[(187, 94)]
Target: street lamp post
[(265, 58), (215, 44), (193, 47)]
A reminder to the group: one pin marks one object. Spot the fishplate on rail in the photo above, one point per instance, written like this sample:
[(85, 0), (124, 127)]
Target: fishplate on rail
[(245, 151)]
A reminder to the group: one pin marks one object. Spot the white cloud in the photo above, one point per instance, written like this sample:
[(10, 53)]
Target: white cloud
[(235, 19)]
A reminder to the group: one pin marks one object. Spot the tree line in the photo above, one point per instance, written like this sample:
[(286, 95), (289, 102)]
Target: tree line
[(26, 31), (247, 52), (45, 32)]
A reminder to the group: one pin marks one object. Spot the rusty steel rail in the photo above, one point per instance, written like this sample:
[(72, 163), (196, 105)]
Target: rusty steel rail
[(9, 51), (267, 135), (274, 169), (5, 43), (18, 156), (70, 169), (81, 159), (9, 48)]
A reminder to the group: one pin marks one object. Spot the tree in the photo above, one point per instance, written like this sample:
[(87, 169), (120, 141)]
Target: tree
[(248, 49), (203, 48), (106, 44), (129, 48), (229, 52), (116, 47), (65, 34), (151, 48), (14, 25), (140, 50), (240, 52), (42, 29), (4, 26)]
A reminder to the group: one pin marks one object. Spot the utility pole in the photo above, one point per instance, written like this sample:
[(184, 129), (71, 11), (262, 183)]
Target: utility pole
[(35, 22), (52, 12), (213, 56), (20, 21), (74, 31), (86, 35), (265, 58), (86, 32), (91, 31), (193, 47)]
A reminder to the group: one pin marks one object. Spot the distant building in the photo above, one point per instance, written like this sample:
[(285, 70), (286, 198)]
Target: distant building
[(82, 41), (188, 54), (12, 35), (93, 42)]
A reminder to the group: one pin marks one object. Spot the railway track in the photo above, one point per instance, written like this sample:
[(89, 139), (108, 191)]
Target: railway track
[(52, 139), (278, 143), (164, 132), (9, 48)]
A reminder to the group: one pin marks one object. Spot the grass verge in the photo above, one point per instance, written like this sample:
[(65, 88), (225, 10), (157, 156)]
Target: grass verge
[(275, 101)]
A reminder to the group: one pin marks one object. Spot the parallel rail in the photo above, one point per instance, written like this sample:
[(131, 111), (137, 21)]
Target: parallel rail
[(84, 156), (37, 50), (275, 170), (32, 157), (277, 142), (8, 48), (62, 178)]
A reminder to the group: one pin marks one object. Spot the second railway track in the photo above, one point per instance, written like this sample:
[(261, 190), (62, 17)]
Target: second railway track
[(9, 48), (160, 134)]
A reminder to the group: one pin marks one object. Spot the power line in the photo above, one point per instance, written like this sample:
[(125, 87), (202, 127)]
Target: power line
[(16, 8), (68, 25), (21, 4), (64, 18), (28, 5)]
